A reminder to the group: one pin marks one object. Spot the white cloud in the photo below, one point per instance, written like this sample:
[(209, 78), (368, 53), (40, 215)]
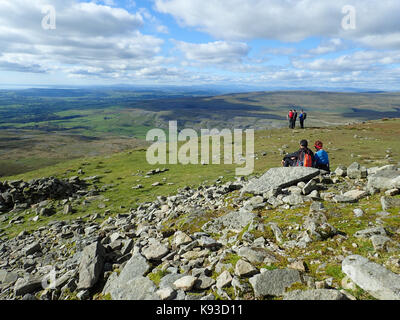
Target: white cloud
[(218, 52), (288, 20), (358, 61), (332, 45), (89, 38)]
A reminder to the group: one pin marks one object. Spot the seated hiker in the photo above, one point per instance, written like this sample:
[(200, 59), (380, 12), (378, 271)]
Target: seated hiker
[(321, 158), (304, 157)]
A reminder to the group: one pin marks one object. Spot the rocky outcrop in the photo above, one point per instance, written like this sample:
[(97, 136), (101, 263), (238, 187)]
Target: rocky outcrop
[(211, 241), (21, 195)]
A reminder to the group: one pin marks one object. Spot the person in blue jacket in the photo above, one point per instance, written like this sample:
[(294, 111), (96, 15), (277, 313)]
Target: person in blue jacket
[(321, 157)]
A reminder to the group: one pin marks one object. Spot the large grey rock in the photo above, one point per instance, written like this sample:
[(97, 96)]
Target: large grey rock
[(274, 282), (136, 266), (185, 283), (138, 288), (315, 294), (7, 277), (91, 265), (355, 171), (293, 199), (224, 280), (389, 203), (356, 194), (155, 251), (378, 281), (169, 279), (32, 248), (234, 221), (27, 285), (204, 282), (380, 242), (368, 233), (385, 178), (257, 255), (245, 269), (341, 171), (280, 178), (309, 187), (317, 227)]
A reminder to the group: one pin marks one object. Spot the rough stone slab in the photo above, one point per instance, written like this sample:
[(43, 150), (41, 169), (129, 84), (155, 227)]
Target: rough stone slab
[(32, 248), (139, 288), (389, 203), (185, 283), (274, 282), (257, 255), (136, 266), (293, 199), (7, 277), (235, 221), (245, 269), (169, 279), (204, 283), (91, 265), (344, 199), (385, 179), (315, 294), (224, 280), (378, 281), (356, 194), (24, 286), (280, 178), (155, 251), (368, 233), (355, 171)]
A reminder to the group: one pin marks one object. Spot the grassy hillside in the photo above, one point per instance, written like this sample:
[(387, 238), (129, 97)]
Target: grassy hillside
[(43, 127), (371, 143)]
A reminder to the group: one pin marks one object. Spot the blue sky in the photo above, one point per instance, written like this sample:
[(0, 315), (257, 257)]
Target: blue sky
[(263, 43)]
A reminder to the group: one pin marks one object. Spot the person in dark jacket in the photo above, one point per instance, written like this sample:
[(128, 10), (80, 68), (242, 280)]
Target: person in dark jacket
[(302, 118), (321, 158), (296, 159), (294, 119)]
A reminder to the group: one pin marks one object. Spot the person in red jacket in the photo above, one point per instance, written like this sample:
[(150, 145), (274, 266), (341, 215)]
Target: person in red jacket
[(290, 117)]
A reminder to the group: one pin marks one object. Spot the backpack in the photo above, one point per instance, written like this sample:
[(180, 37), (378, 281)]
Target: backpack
[(305, 159)]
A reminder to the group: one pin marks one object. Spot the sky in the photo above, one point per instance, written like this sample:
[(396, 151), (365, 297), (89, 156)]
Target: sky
[(263, 43)]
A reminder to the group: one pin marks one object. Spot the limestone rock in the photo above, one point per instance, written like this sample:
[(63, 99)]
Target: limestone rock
[(274, 282), (389, 203), (280, 178), (315, 294), (91, 265), (372, 277)]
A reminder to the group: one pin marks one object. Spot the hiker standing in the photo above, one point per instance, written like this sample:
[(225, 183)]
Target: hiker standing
[(304, 157), (290, 118), (294, 119), (302, 117)]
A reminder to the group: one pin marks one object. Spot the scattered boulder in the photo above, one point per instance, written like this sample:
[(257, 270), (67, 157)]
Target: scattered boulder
[(274, 282), (389, 203), (355, 171), (27, 285), (378, 281), (315, 294), (280, 178), (185, 283), (91, 265)]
